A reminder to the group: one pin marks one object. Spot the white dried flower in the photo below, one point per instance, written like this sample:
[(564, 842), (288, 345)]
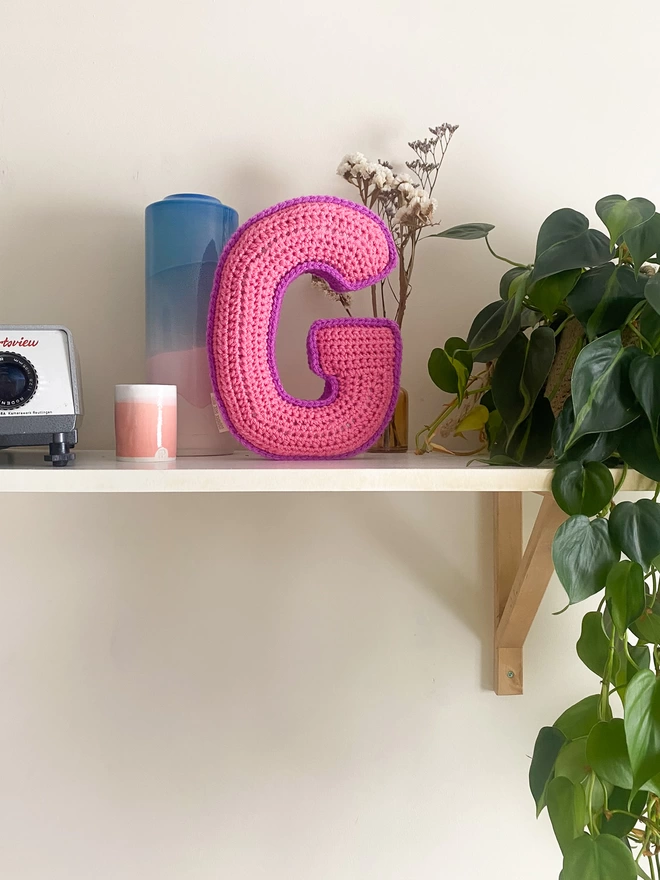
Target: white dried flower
[(383, 178), (418, 211), (405, 188), (350, 159)]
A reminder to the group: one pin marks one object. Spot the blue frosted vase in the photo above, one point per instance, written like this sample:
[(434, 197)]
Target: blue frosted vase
[(184, 236)]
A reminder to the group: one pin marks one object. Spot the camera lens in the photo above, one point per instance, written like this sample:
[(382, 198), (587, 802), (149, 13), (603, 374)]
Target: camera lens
[(18, 380)]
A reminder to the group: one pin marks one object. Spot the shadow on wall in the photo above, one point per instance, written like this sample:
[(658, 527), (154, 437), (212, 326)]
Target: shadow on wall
[(83, 268), (445, 571)]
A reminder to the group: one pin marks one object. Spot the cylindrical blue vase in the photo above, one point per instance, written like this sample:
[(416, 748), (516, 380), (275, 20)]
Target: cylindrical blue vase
[(185, 235)]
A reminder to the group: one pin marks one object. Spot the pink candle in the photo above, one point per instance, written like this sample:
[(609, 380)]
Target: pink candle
[(145, 422)]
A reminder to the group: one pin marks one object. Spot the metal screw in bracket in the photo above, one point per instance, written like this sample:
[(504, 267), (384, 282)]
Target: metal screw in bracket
[(510, 674)]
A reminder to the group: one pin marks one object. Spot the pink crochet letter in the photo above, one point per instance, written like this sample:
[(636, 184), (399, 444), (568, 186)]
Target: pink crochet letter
[(359, 358)]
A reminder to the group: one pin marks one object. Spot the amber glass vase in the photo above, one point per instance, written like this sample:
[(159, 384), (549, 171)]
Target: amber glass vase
[(395, 437)]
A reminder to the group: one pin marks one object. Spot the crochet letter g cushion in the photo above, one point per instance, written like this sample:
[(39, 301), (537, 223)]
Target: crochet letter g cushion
[(359, 358)]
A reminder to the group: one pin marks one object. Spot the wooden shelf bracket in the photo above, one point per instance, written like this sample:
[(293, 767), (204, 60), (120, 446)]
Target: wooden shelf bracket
[(521, 580)]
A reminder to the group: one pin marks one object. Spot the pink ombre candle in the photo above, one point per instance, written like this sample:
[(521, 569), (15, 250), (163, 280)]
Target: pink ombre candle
[(145, 422)]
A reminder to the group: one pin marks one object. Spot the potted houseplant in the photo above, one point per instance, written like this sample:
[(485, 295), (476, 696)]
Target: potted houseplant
[(564, 367)]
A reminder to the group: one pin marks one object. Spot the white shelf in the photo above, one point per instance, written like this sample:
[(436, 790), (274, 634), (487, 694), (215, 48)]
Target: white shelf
[(26, 471)]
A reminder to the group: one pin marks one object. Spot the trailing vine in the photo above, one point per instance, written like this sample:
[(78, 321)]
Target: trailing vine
[(565, 368)]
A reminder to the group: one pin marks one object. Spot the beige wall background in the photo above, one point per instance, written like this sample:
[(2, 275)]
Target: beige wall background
[(281, 688)]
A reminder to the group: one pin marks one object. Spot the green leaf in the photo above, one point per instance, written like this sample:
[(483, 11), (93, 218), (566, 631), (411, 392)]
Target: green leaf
[(505, 282), (607, 753), (493, 329), (593, 646), (547, 747), (652, 292), (582, 487), (619, 799), (604, 297), (643, 241), (572, 761), (591, 447), (647, 627), (567, 810), (457, 349), (637, 448), (620, 214), (599, 858), (578, 721), (548, 293), (475, 420), (465, 232), (649, 325), (583, 554), (559, 227), (566, 242), (635, 530), (602, 397), (493, 427), (642, 725), (532, 440), (442, 372), (625, 595), (520, 373), (449, 373), (645, 382)]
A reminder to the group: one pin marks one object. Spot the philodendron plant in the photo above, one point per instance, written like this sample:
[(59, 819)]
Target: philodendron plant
[(565, 367)]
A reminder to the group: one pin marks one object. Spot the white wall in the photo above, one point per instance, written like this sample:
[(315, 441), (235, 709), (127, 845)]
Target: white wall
[(280, 688)]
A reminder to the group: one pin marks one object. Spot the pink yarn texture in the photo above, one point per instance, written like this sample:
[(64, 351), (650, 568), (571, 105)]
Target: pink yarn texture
[(359, 358)]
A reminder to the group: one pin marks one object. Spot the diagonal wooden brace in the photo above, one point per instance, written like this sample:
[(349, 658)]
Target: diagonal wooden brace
[(520, 582)]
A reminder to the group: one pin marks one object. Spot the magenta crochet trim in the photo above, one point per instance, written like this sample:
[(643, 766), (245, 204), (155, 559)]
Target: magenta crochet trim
[(359, 358)]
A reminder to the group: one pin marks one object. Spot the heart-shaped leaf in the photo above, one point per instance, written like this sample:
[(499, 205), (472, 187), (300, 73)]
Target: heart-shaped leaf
[(505, 282), (567, 810), (548, 293), (642, 726), (643, 241), (520, 373), (572, 761), (442, 372), (652, 292), (603, 298), (602, 397), (593, 646), (583, 554), (625, 595), (566, 242), (475, 420), (591, 447), (547, 747), (635, 530), (598, 858), (457, 348), (578, 721), (620, 214), (493, 329), (559, 227), (638, 450), (647, 626), (645, 382), (582, 487), (465, 232), (607, 753)]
